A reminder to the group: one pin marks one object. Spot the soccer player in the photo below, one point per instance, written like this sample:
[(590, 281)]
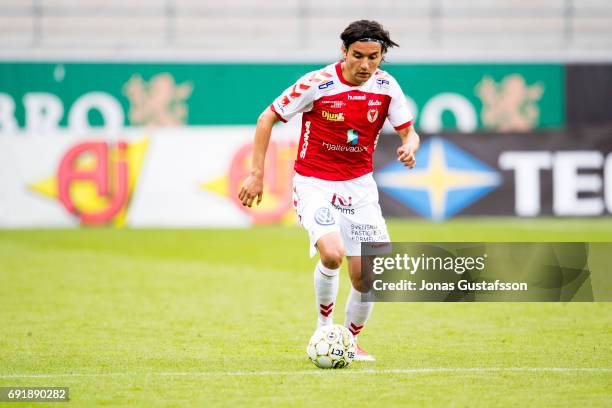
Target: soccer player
[(344, 106)]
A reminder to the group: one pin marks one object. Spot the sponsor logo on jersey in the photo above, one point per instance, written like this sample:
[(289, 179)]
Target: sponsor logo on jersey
[(356, 97), (374, 102), (338, 199), (326, 85), (334, 104), (368, 233), (382, 82), (372, 115), (352, 137), (343, 204), (306, 136), (344, 148), (324, 216), (333, 116)]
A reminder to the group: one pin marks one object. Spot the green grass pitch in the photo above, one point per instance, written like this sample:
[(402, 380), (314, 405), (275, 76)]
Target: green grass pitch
[(222, 317)]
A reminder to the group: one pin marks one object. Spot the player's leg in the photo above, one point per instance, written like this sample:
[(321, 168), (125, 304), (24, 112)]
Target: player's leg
[(326, 275), (358, 312), (331, 250), (361, 280), (364, 224), (318, 218)]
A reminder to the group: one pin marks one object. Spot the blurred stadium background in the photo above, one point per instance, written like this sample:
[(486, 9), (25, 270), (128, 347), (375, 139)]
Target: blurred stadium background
[(304, 30), (151, 84), (140, 114)]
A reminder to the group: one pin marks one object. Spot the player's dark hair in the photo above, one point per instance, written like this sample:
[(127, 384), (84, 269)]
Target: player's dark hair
[(367, 30)]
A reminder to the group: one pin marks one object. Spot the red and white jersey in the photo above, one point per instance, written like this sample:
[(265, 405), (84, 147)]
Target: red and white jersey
[(341, 121)]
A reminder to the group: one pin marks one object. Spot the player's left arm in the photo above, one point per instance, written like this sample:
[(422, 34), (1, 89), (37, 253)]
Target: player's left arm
[(410, 145), (401, 119)]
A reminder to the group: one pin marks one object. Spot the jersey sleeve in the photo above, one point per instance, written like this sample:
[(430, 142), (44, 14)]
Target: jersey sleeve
[(399, 114), (298, 98)]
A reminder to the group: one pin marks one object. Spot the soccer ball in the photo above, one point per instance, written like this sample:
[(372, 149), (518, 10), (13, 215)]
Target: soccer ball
[(331, 346)]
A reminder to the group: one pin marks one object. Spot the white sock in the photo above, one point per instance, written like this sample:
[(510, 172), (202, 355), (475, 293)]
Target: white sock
[(326, 291), (357, 312)]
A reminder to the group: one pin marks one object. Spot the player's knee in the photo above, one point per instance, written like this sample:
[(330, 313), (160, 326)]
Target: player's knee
[(362, 283), (332, 257), (362, 286)]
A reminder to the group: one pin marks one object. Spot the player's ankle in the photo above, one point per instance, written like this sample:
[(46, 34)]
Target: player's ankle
[(324, 321)]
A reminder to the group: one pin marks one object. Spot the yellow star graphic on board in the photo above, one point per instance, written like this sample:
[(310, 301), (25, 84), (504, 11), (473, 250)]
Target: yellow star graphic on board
[(276, 203), (221, 186), (438, 179), (84, 193)]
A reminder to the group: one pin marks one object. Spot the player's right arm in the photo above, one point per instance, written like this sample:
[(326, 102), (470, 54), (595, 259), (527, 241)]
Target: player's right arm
[(253, 185), (297, 98)]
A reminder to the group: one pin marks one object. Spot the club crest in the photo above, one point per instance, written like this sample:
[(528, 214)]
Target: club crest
[(372, 115)]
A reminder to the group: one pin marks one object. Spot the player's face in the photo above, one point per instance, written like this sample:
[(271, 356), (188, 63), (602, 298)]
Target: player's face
[(361, 61)]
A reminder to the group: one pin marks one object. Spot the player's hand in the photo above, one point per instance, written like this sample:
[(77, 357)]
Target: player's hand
[(405, 154), (251, 188)]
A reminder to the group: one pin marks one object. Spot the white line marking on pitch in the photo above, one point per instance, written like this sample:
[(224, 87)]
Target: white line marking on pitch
[(319, 372)]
